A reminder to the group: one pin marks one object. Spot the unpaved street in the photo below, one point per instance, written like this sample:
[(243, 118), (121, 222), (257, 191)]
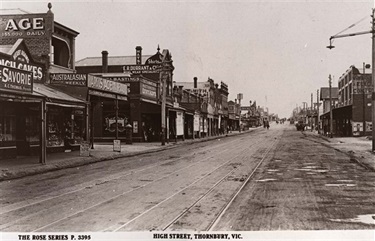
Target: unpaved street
[(277, 179)]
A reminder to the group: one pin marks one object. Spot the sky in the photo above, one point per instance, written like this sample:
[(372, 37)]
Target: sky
[(274, 52)]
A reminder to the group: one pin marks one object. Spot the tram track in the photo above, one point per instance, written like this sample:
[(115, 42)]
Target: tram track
[(187, 209), (225, 208), (40, 203), (28, 203)]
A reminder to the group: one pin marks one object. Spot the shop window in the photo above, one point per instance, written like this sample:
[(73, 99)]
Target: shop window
[(32, 128), (7, 128), (74, 127), (54, 128), (7, 123), (109, 125)]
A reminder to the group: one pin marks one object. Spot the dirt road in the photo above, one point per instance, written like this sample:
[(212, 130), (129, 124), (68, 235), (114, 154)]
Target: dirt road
[(277, 179)]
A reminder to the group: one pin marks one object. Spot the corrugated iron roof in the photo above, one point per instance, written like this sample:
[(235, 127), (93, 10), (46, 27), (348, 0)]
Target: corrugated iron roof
[(54, 94), (112, 60)]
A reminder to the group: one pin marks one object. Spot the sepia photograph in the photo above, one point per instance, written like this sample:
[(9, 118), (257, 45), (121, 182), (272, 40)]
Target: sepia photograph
[(187, 120)]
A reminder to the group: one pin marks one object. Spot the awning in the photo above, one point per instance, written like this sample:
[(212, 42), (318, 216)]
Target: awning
[(56, 97)]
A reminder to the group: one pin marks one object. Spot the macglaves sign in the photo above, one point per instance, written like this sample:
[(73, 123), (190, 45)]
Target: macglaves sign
[(15, 79), (106, 85)]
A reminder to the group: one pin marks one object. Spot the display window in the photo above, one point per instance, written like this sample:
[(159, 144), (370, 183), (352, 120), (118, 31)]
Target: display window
[(74, 127), (109, 119), (54, 127), (7, 124), (32, 127)]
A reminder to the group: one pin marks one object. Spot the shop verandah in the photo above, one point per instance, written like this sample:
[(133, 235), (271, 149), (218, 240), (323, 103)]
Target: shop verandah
[(341, 123)]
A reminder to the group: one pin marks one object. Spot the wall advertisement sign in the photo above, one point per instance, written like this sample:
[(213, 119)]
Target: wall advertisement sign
[(29, 27), (106, 85), (135, 127), (23, 25), (15, 79), (196, 123), (179, 123), (36, 71), (69, 79)]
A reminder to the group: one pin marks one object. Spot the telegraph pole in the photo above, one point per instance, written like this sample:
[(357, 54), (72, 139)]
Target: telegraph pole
[(317, 106), (330, 107), (163, 105), (311, 113), (373, 80)]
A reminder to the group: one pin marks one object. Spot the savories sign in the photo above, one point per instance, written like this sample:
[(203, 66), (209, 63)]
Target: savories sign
[(15, 79), (106, 85), (69, 79)]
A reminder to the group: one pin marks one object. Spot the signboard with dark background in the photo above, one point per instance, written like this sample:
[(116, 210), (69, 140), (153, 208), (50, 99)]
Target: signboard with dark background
[(35, 29), (13, 79)]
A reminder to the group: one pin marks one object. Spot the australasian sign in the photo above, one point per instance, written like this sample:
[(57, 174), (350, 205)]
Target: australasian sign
[(69, 79)]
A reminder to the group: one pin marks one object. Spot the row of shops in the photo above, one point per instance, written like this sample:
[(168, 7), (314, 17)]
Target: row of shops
[(351, 105), (50, 103)]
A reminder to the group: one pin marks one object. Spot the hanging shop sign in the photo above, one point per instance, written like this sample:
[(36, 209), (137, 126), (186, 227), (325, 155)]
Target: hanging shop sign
[(106, 85), (69, 79), (149, 88), (196, 122), (149, 91), (15, 79), (179, 123)]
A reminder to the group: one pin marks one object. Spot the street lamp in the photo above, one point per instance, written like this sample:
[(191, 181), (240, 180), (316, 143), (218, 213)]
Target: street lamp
[(372, 31)]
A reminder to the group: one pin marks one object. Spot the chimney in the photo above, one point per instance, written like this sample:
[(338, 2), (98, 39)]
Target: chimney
[(195, 82), (138, 54), (104, 61)]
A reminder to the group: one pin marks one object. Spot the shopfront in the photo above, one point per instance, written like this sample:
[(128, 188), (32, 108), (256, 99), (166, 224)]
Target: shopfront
[(25, 103), (20, 114), (110, 111), (145, 109)]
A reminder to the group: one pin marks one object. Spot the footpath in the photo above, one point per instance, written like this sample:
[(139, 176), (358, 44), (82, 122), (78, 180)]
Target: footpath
[(29, 165), (358, 148)]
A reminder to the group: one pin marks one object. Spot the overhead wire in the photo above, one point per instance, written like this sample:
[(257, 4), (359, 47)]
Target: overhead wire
[(351, 26)]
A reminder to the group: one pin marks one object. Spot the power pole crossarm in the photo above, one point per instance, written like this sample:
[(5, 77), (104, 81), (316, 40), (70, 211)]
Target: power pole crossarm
[(350, 34)]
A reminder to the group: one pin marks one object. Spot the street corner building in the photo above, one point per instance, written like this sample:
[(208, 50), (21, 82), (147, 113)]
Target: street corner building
[(36, 117), (49, 102)]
